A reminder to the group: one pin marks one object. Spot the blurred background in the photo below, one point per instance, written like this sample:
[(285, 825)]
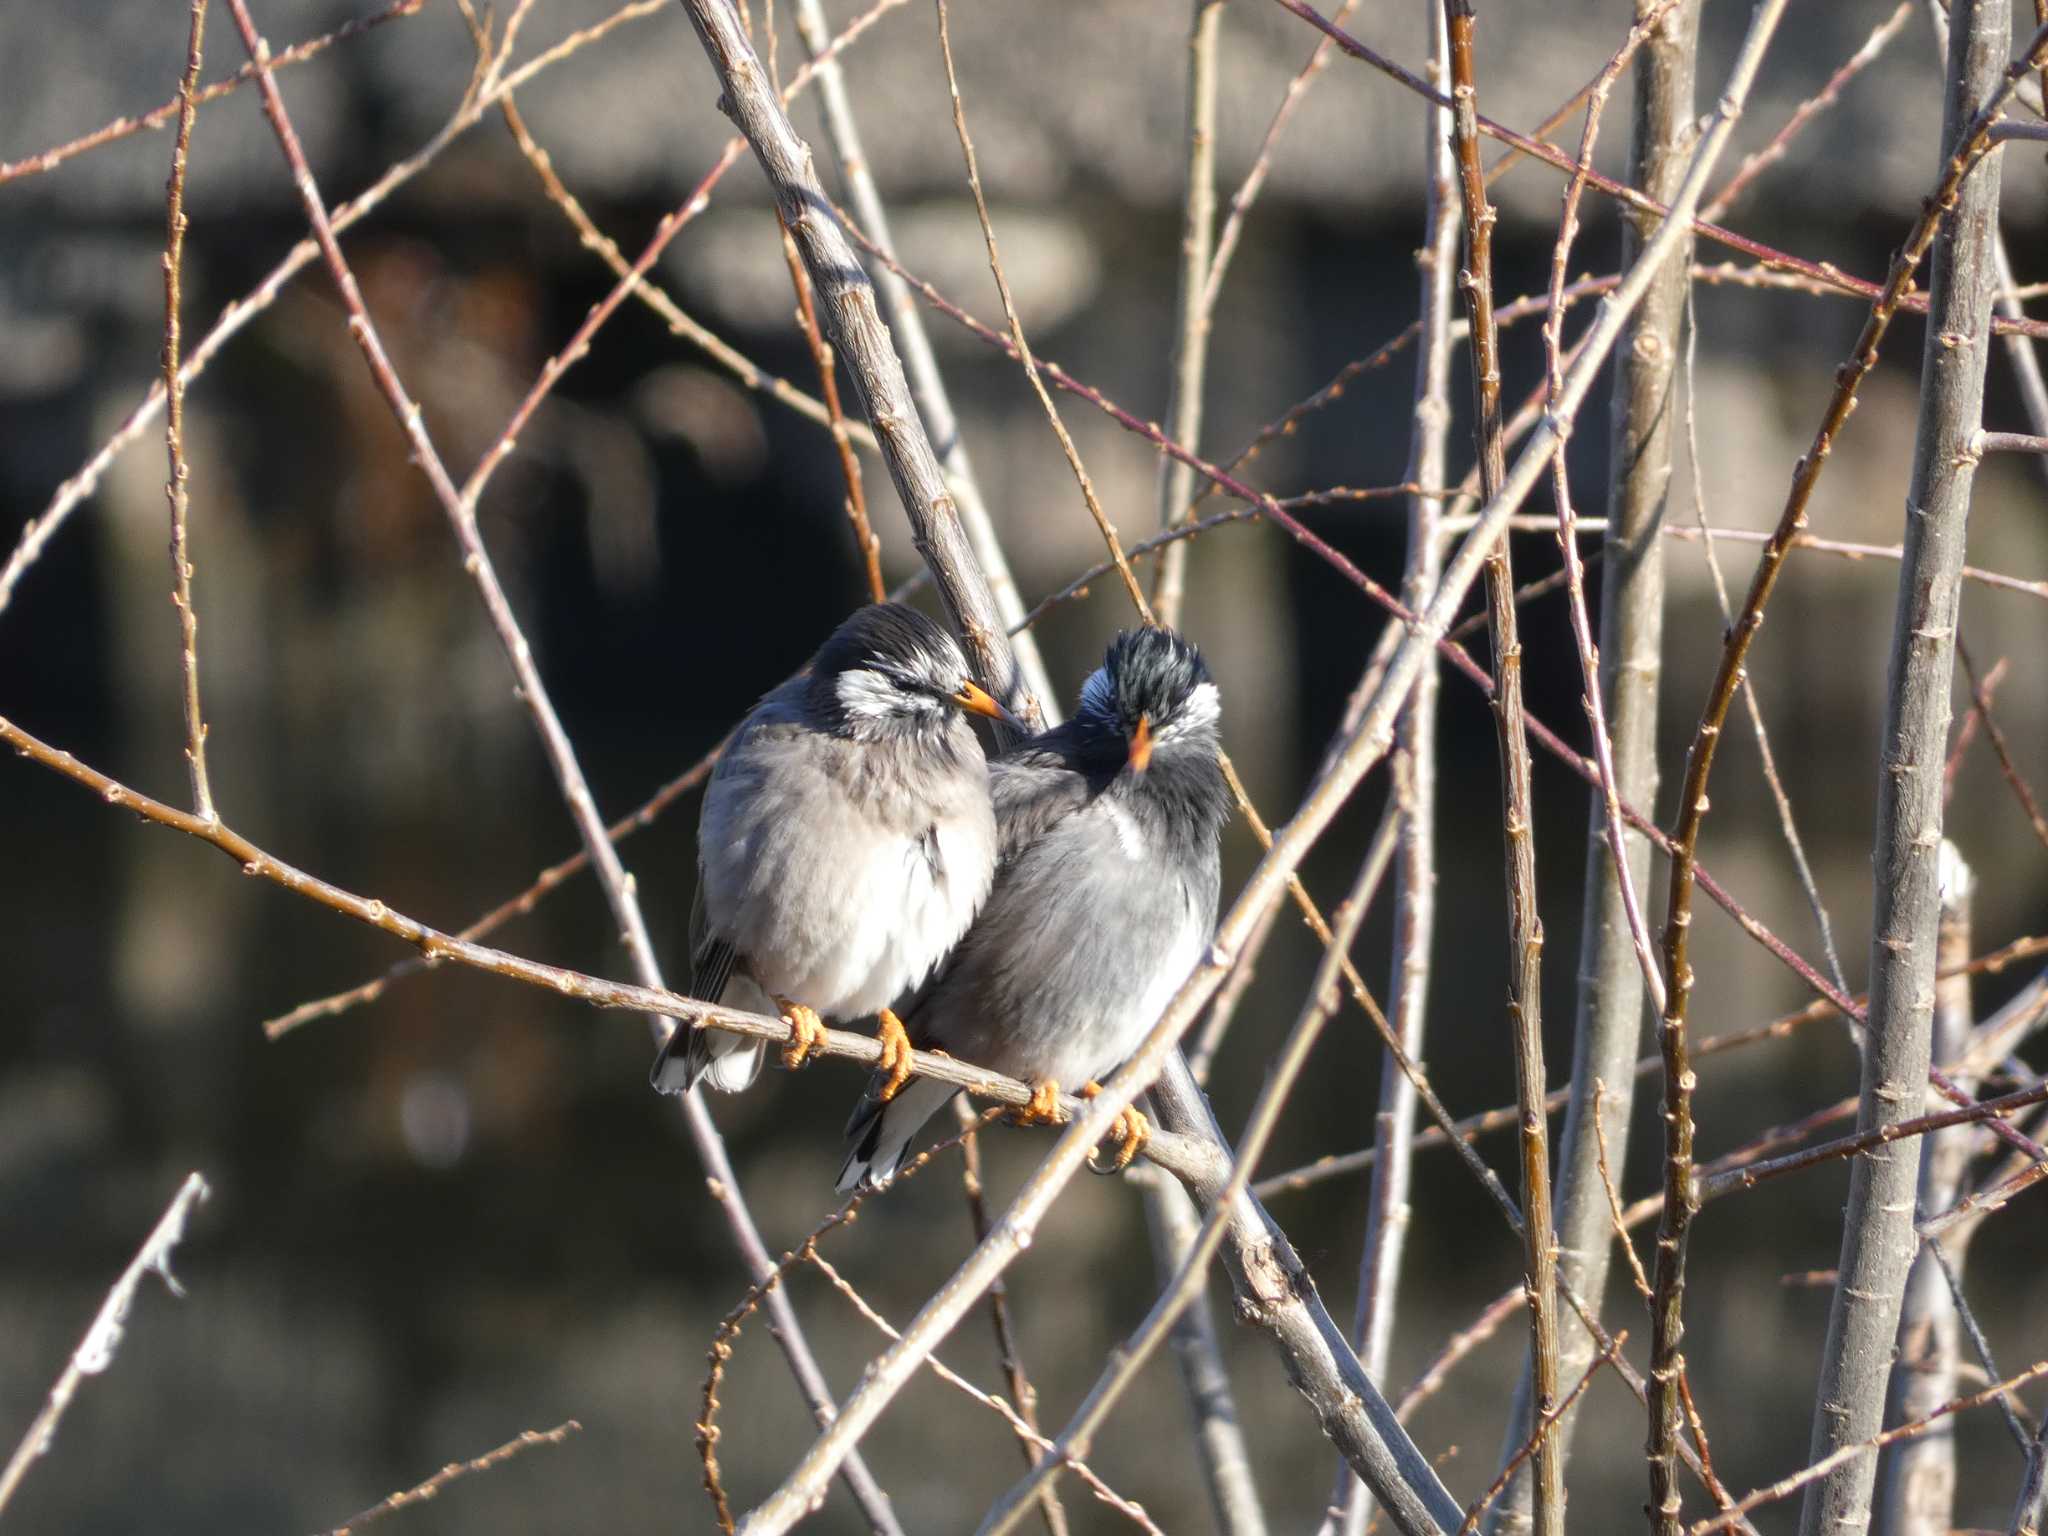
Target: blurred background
[(460, 1213)]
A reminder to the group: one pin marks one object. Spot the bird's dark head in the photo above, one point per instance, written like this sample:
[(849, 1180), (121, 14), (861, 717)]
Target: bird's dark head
[(889, 671), (1151, 702)]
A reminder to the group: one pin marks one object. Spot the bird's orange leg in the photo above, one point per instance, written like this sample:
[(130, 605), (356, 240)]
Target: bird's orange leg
[(1132, 1131), (1044, 1108), (895, 1059), (806, 1032)]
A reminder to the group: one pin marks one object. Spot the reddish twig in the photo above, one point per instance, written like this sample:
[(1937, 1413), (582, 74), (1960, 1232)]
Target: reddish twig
[(156, 117), (1787, 1486), (1980, 702), (1973, 719), (1820, 272), (865, 542), (1525, 925), (1756, 164)]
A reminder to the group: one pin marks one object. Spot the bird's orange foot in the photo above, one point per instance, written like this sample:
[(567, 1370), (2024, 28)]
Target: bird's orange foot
[(895, 1058), (1131, 1131), (1044, 1108), (806, 1032)]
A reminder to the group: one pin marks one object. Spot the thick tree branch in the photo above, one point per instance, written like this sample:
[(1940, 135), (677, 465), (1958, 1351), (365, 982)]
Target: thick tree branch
[(1877, 1242)]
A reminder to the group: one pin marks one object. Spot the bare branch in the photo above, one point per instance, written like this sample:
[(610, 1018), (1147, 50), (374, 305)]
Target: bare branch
[(1625, 668), (1415, 765), (95, 1351), (419, 1493), (156, 117), (1877, 1249), (1525, 925), (926, 383), (1193, 305), (176, 490)]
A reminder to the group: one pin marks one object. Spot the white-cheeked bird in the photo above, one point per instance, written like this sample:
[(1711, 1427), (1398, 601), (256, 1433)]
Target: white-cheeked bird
[(1105, 897), (845, 843)]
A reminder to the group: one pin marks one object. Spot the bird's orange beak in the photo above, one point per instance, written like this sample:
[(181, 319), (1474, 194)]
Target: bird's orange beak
[(978, 701), (1141, 745)]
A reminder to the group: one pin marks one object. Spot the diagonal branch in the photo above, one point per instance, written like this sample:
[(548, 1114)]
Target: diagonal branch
[(95, 1351), (907, 325)]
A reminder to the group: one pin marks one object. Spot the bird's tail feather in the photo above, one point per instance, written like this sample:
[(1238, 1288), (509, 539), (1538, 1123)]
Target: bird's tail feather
[(878, 1135), (722, 1061)]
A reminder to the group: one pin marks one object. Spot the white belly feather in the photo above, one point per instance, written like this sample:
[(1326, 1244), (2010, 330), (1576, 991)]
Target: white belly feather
[(897, 920)]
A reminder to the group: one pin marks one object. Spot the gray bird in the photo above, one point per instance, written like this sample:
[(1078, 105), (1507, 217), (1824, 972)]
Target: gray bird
[(1104, 899), (845, 843)]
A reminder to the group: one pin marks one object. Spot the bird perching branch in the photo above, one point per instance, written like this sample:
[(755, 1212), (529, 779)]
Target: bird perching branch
[(864, 345), (1525, 926), (1877, 1240)]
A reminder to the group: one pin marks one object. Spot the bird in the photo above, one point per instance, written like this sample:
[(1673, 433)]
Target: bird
[(845, 842), (1107, 878)]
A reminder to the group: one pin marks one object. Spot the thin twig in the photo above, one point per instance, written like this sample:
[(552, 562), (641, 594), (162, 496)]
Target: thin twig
[(1414, 771), (1607, 1188), (1973, 721), (1980, 698), (156, 117), (1525, 925), (95, 1351), (1254, 182), (1787, 1486), (657, 298), (926, 383), (1532, 1446), (1193, 308), (1624, 671), (865, 542), (1754, 165), (432, 1487), (1029, 1437), (1023, 347), (177, 489), (1767, 760)]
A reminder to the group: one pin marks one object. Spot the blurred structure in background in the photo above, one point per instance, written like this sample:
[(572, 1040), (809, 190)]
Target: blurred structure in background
[(459, 1213)]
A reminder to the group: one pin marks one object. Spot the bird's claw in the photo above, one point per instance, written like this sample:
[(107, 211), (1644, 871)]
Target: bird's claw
[(1131, 1130), (806, 1032), (895, 1057), (1044, 1108)]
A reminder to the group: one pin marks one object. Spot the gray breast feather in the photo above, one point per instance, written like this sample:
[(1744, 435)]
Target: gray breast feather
[(1078, 947), (840, 872)]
